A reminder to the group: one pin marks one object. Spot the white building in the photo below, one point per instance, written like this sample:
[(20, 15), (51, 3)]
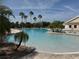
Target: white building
[(72, 26)]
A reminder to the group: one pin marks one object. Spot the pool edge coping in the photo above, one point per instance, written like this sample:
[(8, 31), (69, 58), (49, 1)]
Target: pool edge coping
[(60, 53)]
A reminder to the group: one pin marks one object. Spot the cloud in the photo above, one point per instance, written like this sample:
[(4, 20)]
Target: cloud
[(50, 9), (33, 4), (70, 8)]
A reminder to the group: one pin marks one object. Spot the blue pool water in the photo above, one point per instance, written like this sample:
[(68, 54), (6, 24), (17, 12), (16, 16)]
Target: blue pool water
[(44, 41)]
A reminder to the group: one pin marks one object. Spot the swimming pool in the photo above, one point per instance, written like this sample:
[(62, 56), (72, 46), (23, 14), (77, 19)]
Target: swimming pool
[(44, 41)]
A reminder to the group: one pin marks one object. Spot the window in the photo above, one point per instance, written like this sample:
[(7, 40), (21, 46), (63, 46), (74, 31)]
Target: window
[(69, 26), (75, 26)]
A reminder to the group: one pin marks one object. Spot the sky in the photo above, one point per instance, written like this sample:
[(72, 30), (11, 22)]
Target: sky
[(51, 10)]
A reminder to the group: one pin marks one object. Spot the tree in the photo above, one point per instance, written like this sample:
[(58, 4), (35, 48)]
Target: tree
[(31, 14), (17, 25), (21, 37), (25, 17), (6, 11), (22, 15), (57, 25), (4, 21), (9, 13), (40, 18), (4, 27), (12, 24), (34, 18), (34, 23)]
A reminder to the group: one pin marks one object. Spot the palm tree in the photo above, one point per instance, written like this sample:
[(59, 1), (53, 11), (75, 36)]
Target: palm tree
[(25, 17), (40, 18), (21, 37), (34, 18), (22, 16), (31, 14)]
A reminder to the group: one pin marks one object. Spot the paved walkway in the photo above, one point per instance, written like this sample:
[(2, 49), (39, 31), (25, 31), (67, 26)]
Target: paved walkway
[(51, 56)]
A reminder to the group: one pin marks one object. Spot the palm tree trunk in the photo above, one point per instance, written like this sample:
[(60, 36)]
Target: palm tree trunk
[(1, 39), (18, 45), (41, 22), (22, 24)]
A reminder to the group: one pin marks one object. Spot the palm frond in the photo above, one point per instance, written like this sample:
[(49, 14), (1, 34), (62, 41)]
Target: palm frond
[(21, 36)]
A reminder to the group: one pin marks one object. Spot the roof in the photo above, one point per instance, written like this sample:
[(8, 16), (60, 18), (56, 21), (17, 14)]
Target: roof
[(73, 20)]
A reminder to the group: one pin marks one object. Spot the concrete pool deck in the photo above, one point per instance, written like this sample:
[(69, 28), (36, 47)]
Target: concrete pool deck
[(41, 55)]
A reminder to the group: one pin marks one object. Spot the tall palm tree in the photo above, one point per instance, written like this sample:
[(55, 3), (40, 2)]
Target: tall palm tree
[(31, 14), (25, 17), (21, 37), (35, 19), (22, 17), (40, 18)]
